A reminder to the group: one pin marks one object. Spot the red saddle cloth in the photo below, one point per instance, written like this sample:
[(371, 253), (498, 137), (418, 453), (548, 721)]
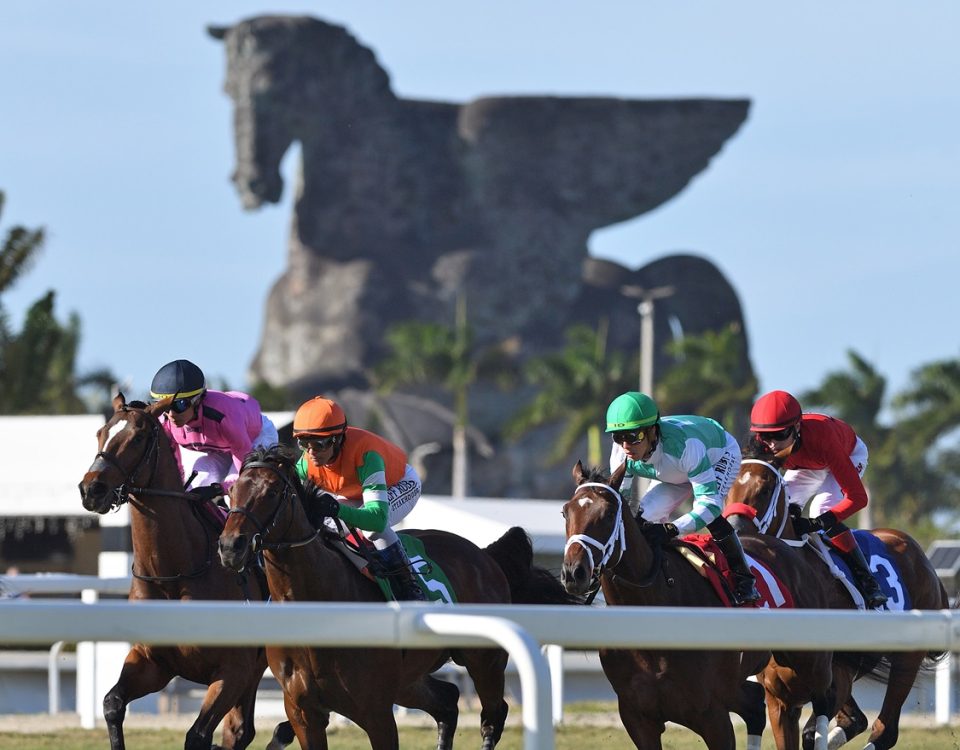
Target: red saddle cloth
[(703, 553)]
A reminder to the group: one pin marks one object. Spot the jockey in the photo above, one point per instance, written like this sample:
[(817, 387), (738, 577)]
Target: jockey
[(367, 481), (687, 457), (824, 459), (224, 427)]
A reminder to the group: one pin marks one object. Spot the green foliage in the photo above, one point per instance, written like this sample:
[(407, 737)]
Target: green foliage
[(908, 476), (273, 397), (575, 385), (38, 364), (710, 378)]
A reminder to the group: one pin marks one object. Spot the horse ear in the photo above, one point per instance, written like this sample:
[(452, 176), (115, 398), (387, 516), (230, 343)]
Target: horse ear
[(617, 479), (578, 473), (119, 401), (217, 32), (160, 406)]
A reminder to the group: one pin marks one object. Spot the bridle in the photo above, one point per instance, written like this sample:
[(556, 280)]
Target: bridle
[(616, 541), (764, 522), (150, 456), (126, 488), (290, 492)]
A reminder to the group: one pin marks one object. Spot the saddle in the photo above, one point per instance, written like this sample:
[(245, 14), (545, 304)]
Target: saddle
[(362, 554), (703, 553)]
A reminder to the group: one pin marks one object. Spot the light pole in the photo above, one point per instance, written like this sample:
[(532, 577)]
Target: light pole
[(645, 308)]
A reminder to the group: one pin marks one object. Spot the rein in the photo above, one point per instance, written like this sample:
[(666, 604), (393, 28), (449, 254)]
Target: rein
[(258, 543), (617, 538), (764, 522), (127, 488)]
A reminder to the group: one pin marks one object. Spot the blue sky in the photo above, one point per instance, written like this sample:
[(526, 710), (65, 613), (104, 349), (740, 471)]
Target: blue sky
[(833, 211)]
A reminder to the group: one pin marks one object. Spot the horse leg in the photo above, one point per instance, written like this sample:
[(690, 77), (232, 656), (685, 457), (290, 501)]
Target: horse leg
[(851, 721), (750, 709), (644, 731), (238, 727), (903, 671), (714, 727), (283, 735), (139, 676), (784, 723), (439, 699), (309, 725), (486, 668)]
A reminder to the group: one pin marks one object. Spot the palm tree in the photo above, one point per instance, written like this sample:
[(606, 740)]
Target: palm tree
[(433, 353), (575, 386), (709, 378), (903, 484)]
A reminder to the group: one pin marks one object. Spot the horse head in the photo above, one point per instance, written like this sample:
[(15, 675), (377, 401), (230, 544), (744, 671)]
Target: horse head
[(282, 93), (594, 526), (128, 454), (757, 501), (266, 507)]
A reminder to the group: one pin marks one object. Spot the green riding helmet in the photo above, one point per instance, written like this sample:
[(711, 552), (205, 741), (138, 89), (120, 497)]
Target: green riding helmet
[(631, 411)]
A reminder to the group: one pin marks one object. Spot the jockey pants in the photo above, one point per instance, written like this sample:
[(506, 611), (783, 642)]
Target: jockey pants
[(215, 466), (819, 485)]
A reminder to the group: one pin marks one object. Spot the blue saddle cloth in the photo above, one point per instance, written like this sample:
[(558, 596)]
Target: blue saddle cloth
[(884, 570)]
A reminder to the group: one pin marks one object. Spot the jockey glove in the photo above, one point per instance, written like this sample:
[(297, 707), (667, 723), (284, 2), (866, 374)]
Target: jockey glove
[(660, 533), (823, 522), (324, 505), (210, 492)]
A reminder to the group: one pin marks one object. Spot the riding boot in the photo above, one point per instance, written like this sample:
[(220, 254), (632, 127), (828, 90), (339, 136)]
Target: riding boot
[(865, 581), (399, 572), (745, 586)]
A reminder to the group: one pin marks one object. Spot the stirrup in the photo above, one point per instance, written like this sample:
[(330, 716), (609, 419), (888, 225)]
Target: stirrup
[(741, 595)]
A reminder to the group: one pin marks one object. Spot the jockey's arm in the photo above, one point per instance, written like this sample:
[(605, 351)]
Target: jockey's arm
[(707, 504), (374, 514), (854, 493)]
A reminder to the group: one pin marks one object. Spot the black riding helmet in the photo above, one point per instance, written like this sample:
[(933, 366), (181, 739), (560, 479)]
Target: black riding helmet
[(180, 378)]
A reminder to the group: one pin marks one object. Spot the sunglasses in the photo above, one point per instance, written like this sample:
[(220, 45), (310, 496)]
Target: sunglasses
[(180, 405), (630, 437), (776, 437), (317, 445)]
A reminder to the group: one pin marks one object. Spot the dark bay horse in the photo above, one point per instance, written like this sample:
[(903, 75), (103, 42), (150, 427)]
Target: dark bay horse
[(174, 557), (363, 684), (697, 689), (757, 505)]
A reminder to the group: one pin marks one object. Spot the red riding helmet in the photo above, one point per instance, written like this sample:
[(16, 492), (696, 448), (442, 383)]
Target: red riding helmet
[(774, 411)]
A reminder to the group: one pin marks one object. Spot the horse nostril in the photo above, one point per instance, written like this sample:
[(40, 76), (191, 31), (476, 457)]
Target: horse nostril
[(96, 490)]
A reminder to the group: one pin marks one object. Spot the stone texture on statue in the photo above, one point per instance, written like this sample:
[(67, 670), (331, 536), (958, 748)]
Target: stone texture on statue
[(400, 204)]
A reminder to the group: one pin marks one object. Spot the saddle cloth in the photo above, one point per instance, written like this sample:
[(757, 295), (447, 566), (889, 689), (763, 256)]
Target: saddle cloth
[(879, 561), (703, 553), (434, 582)]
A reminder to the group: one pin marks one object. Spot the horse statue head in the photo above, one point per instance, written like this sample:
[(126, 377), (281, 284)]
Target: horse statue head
[(282, 95)]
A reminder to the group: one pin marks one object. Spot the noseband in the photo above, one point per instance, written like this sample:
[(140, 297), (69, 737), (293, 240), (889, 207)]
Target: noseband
[(764, 522), (290, 491)]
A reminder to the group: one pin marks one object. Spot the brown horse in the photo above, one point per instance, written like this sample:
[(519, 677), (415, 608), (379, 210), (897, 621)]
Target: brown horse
[(174, 557), (757, 505), (697, 689), (363, 684)]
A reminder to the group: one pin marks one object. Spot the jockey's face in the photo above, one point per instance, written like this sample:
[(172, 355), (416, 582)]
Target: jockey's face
[(321, 451), (180, 419), (638, 446), (777, 441)]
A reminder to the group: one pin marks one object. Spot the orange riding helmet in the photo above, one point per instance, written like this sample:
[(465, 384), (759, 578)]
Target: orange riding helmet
[(319, 416)]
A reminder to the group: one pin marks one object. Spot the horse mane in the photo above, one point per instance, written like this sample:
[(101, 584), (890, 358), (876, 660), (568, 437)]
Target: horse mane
[(596, 474), (274, 454), (754, 449)]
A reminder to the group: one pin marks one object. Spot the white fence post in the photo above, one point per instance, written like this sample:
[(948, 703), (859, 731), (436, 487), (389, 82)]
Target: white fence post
[(944, 691), (554, 654)]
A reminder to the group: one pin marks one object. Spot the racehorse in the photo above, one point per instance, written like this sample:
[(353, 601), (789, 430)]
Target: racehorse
[(174, 557), (697, 689), (304, 564), (757, 505)]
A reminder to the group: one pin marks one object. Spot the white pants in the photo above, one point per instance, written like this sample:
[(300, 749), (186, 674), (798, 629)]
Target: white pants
[(401, 497), (819, 485), (659, 504), (215, 466)]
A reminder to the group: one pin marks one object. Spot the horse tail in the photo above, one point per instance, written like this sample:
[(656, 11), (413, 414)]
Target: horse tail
[(529, 583)]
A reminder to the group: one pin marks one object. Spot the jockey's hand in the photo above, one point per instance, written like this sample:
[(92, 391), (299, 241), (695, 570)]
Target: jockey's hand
[(660, 533), (324, 505), (823, 522), (210, 492)]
